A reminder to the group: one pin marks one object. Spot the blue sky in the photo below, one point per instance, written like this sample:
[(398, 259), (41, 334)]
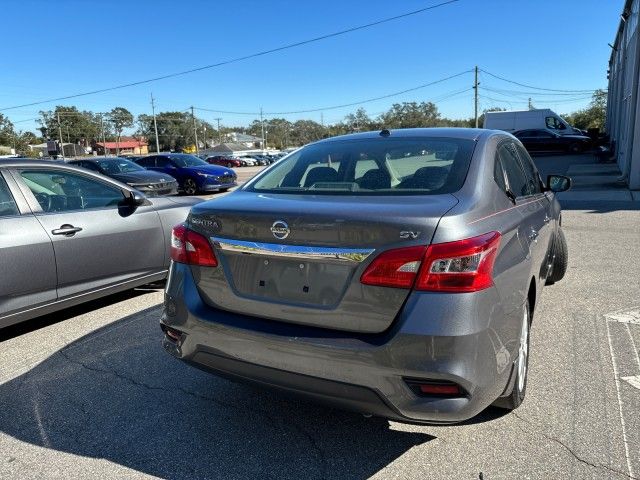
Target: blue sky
[(63, 47)]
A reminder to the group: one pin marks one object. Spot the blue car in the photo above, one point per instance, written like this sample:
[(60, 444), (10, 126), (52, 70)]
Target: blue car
[(193, 174)]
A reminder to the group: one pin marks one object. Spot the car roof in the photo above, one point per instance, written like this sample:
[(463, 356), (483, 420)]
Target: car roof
[(462, 133), (96, 160)]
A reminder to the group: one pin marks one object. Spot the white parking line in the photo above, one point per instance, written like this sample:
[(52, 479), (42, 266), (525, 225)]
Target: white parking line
[(622, 422)]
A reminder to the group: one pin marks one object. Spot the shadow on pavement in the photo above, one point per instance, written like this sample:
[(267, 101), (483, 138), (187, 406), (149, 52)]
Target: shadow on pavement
[(599, 206), (115, 394), (46, 320)]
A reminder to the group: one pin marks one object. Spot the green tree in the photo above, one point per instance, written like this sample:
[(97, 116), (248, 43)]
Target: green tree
[(410, 115), (358, 121), (175, 131), (76, 126), (120, 118), (306, 131), (594, 116), (7, 134)]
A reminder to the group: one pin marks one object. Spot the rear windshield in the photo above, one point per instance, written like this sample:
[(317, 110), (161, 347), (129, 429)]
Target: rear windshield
[(381, 166)]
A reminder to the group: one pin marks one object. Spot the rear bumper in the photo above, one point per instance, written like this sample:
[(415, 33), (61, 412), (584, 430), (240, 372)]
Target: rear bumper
[(360, 372)]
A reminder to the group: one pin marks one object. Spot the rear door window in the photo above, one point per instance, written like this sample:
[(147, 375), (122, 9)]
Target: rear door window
[(530, 171), (8, 206), (517, 180), (372, 166)]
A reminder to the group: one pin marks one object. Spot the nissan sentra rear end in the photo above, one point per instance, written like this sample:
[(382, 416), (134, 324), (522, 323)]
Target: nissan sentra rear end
[(321, 277)]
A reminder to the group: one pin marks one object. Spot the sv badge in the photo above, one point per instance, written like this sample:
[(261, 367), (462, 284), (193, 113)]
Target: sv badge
[(405, 234)]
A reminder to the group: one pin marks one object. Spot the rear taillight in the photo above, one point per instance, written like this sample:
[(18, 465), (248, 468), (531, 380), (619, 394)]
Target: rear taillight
[(394, 268), (461, 266), (191, 248)]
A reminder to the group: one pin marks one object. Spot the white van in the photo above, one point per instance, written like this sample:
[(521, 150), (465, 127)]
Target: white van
[(543, 118)]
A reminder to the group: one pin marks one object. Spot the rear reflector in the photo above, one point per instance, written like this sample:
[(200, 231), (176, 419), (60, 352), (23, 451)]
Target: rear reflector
[(191, 248), (435, 388), (461, 266)]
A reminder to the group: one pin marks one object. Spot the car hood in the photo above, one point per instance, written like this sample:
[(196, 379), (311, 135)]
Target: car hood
[(147, 176), (212, 170)]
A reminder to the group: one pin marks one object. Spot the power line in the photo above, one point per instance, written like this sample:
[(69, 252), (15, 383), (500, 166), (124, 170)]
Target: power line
[(536, 88), (334, 107), (524, 94), (242, 58)]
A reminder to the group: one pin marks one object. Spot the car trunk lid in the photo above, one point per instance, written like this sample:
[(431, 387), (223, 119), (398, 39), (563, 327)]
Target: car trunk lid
[(299, 258)]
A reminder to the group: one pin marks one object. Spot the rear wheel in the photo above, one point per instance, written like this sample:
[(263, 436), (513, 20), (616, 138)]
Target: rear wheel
[(190, 187), (516, 397), (229, 164), (575, 148), (560, 259)]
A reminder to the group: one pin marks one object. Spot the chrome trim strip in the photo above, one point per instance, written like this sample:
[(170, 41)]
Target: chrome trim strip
[(354, 255)]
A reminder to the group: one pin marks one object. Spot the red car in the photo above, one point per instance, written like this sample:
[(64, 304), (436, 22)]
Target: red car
[(224, 161)]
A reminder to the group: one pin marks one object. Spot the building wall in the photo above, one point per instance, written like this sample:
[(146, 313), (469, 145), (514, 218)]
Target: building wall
[(623, 107)]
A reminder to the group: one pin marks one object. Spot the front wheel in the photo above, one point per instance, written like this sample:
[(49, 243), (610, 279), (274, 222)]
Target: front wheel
[(190, 187), (516, 397), (560, 259)]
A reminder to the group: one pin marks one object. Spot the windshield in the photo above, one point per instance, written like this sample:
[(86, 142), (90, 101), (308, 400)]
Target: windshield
[(188, 161), (118, 166), (380, 166)]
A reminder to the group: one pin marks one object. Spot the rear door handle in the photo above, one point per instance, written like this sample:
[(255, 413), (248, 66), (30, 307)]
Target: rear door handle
[(66, 230)]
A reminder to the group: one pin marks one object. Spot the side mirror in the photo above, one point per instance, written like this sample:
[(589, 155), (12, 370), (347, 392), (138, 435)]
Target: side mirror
[(558, 183), (137, 199)]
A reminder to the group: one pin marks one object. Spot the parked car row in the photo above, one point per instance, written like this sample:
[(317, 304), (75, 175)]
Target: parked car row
[(245, 161), (164, 174)]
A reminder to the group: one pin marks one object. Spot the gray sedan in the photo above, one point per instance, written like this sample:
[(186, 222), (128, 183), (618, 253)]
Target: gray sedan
[(395, 273), (68, 236)]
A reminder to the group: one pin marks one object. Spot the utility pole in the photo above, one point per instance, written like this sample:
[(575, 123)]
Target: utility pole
[(195, 131), (155, 124), (262, 127), (204, 141), (60, 133), (219, 132), (530, 106), (104, 138), (475, 103)]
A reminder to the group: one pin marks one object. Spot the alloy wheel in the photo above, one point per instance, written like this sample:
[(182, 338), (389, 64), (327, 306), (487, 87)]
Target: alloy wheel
[(190, 187), (523, 351)]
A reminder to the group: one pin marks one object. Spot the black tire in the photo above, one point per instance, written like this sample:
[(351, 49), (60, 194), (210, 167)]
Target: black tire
[(560, 258), (190, 187), (222, 190), (575, 148), (516, 397), (229, 165)]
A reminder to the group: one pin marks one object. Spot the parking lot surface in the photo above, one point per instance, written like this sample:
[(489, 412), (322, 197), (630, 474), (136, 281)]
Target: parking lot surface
[(89, 393)]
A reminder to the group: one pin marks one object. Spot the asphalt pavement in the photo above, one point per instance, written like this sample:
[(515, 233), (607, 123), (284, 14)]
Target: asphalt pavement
[(90, 393)]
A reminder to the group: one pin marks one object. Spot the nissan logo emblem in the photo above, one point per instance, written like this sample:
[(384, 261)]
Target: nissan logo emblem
[(280, 229)]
